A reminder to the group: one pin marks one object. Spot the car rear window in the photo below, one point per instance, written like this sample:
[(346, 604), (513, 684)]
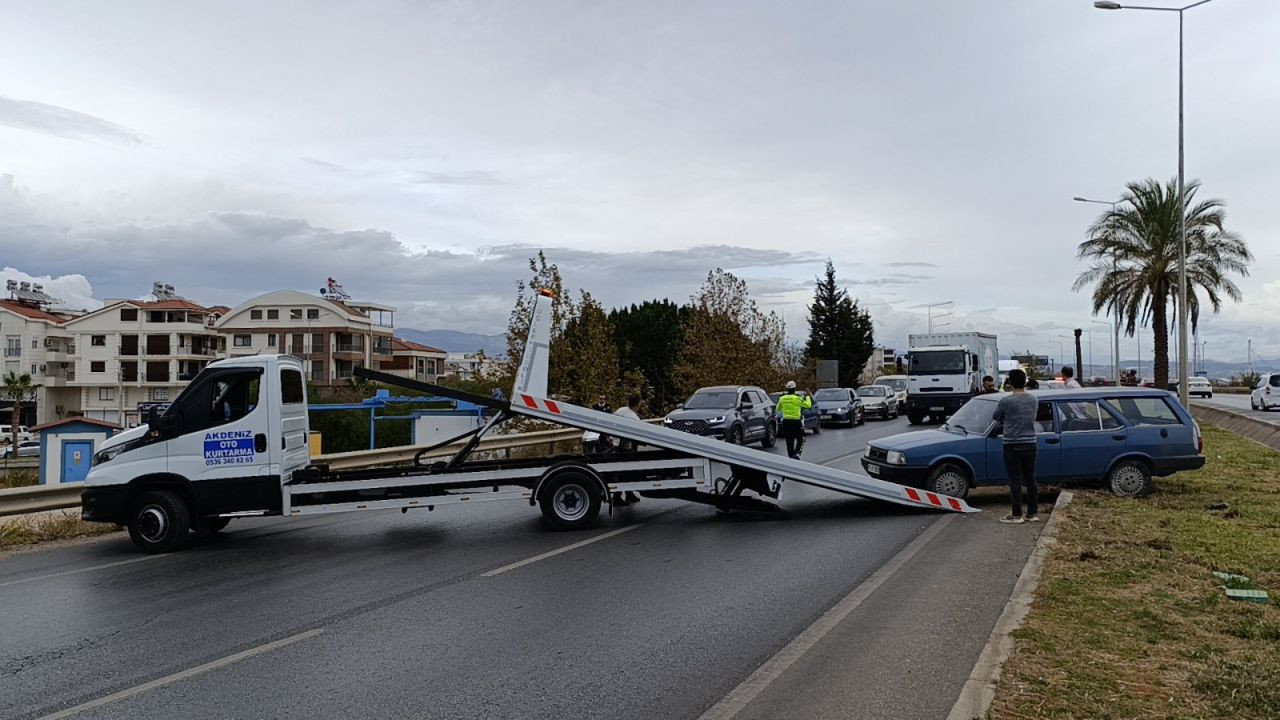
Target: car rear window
[(1275, 381), (1146, 411)]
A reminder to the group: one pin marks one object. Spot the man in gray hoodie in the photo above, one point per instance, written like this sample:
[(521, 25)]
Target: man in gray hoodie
[(1017, 413)]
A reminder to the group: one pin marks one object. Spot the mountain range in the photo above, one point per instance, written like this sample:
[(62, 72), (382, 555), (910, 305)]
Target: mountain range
[(454, 341)]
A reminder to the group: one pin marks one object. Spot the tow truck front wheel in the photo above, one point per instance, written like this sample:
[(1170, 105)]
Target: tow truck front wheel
[(570, 501), (159, 521)]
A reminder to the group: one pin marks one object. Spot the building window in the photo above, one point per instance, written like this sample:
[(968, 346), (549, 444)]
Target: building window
[(242, 340), (156, 316), (98, 366), (159, 394), (273, 314), (13, 346), (106, 393), (313, 314), (317, 343), (255, 314), (271, 340), (295, 314), (98, 340), (128, 314), (35, 369), (35, 343)]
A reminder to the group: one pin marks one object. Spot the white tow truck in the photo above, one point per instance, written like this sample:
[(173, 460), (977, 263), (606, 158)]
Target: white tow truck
[(234, 444)]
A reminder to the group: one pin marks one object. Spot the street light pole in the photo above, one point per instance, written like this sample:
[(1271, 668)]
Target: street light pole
[(1115, 343), (1182, 197)]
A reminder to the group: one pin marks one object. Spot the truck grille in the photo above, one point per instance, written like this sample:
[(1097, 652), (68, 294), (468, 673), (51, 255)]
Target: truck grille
[(697, 427)]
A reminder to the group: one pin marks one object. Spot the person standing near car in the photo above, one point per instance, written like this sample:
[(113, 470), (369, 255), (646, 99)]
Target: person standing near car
[(1017, 413), (988, 385), (1069, 378), (627, 411), (792, 406)]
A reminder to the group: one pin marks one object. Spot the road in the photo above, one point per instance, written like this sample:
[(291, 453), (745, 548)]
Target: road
[(1240, 404), (662, 611)]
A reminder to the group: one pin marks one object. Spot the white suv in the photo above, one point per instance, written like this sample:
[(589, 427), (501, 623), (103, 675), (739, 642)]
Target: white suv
[(1266, 394)]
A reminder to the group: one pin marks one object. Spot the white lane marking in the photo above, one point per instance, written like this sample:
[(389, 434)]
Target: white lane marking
[(741, 696), (557, 551), (91, 568), (191, 672)]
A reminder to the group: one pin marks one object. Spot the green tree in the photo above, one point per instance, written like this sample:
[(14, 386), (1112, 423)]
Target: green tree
[(17, 388), (587, 355), (649, 337), (1133, 251), (838, 329)]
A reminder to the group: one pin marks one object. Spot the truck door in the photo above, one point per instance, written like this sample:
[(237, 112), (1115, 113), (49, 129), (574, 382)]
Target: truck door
[(295, 446), (220, 441)]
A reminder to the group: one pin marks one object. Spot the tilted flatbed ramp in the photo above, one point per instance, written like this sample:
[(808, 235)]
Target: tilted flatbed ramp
[(529, 398)]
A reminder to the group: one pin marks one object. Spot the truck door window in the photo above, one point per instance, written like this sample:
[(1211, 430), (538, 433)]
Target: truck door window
[(221, 399)]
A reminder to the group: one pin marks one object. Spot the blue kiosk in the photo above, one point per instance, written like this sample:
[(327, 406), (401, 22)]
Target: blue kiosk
[(67, 447)]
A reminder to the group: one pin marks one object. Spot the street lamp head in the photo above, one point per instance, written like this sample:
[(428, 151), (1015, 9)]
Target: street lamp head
[(1104, 5), (1079, 199)]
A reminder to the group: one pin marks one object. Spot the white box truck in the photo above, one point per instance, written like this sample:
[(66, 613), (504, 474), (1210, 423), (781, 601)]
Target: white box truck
[(944, 370)]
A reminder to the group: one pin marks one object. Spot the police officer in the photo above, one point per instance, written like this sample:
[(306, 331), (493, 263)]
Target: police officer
[(792, 406)]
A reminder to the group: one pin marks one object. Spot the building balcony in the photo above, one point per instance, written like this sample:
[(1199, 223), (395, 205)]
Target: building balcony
[(58, 379), (348, 349), (56, 354), (12, 352)]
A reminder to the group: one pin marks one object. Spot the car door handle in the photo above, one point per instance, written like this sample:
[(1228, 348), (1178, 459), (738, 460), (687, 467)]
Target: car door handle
[(1164, 433), (1119, 436), (260, 443), (1051, 441)]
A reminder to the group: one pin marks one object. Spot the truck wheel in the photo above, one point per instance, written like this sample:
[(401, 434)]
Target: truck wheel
[(159, 521), (1129, 478), (770, 435), (915, 418), (950, 480), (204, 527), (570, 501)]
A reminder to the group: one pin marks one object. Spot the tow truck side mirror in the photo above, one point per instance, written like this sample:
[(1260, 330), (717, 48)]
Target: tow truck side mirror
[(166, 425)]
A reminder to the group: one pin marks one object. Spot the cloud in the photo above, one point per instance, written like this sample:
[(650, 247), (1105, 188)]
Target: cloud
[(62, 122), (75, 291), (907, 263), (466, 177)]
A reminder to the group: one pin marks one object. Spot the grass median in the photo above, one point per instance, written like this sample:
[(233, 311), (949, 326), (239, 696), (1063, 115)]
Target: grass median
[(1129, 620)]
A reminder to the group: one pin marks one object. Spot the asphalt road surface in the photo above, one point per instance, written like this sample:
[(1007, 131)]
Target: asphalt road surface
[(844, 608), (1240, 404)]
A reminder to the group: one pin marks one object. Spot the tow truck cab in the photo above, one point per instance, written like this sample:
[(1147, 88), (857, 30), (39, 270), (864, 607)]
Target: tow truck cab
[(225, 447)]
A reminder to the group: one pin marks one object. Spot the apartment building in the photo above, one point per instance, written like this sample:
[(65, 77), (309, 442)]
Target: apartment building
[(332, 337), (469, 366), (415, 361), (35, 343), (134, 352)]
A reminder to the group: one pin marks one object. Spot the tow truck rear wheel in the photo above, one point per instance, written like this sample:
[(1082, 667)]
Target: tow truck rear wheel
[(915, 418), (159, 521), (570, 500)]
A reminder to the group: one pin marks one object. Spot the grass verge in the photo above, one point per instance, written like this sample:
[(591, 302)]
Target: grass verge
[(1130, 622), (18, 478), (41, 527)]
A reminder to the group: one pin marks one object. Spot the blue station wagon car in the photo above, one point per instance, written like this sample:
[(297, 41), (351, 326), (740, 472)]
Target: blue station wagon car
[(1120, 436)]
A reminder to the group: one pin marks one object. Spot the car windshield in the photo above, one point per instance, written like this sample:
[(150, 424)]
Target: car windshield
[(897, 384), (872, 391), (974, 418), (936, 362), (712, 400), (831, 394)]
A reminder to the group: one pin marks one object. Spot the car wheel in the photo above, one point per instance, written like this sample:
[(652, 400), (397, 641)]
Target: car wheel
[(948, 479), (1253, 404), (862, 418), (817, 428), (770, 435), (735, 435), (915, 418), (1129, 478)]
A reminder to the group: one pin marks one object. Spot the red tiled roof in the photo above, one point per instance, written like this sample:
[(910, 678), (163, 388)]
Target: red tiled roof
[(168, 305), (220, 309), (402, 344), (33, 313), (76, 419), (350, 310)]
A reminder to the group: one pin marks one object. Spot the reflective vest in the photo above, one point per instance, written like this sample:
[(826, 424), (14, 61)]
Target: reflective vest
[(792, 404)]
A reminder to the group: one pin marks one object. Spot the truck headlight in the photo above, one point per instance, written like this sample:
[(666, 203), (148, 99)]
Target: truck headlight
[(106, 455), (896, 457)]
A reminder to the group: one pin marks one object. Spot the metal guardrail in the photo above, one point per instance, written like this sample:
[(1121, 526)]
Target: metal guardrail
[(37, 498), (21, 463)]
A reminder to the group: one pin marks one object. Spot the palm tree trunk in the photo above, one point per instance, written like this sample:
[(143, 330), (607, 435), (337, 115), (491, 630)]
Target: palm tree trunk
[(1079, 358), (14, 422), (1160, 328)]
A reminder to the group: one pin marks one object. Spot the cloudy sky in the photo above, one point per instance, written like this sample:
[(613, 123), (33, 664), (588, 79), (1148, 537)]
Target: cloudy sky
[(420, 151)]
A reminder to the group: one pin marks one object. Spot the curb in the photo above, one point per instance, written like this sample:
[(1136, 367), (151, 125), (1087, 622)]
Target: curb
[(1256, 429), (980, 689)]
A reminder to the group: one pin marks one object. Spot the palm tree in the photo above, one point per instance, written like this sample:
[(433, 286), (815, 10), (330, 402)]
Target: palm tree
[(17, 388), (1133, 251)]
